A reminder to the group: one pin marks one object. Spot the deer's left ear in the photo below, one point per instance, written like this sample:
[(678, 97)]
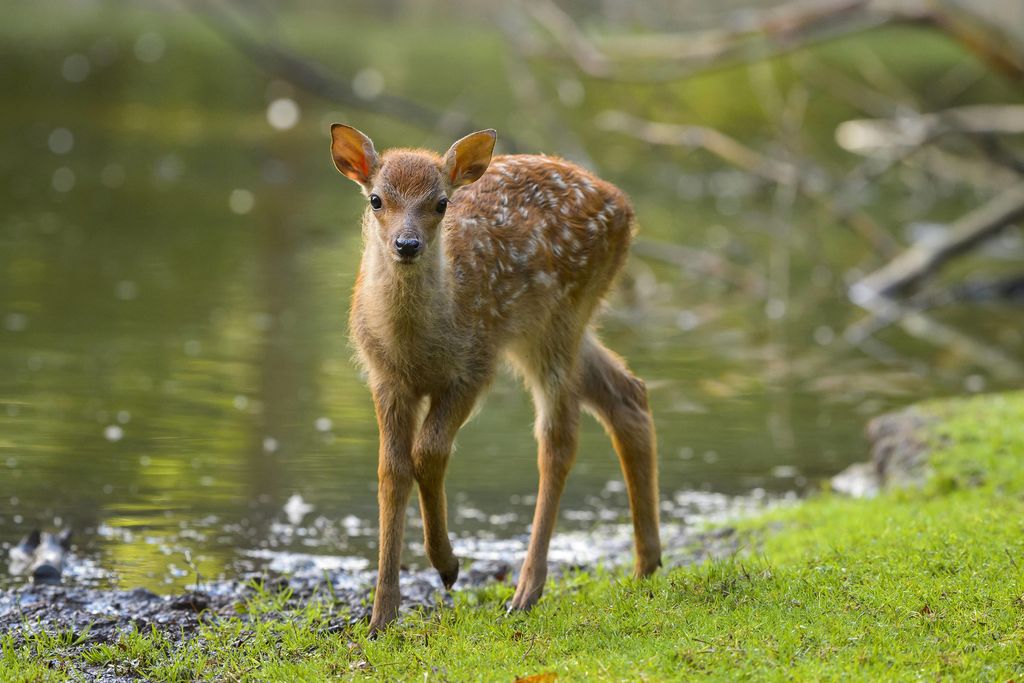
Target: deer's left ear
[(469, 157), (353, 153)]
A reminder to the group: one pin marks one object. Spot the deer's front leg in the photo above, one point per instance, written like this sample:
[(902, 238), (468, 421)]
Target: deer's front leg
[(395, 418), (433, 446)]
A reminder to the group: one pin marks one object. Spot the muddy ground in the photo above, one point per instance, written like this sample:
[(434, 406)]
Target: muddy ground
[(90, 616), (99, 615)]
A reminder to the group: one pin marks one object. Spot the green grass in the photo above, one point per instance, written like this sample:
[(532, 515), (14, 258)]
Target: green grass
[(915, 584)]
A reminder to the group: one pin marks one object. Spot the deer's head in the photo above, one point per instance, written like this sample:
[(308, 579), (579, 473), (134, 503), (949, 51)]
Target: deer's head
[(408, 190)]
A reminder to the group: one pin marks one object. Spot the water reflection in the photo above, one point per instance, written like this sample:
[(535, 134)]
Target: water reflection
[(176, 256)]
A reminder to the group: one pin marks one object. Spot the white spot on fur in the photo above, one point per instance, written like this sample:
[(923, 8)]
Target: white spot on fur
[(544, 278)]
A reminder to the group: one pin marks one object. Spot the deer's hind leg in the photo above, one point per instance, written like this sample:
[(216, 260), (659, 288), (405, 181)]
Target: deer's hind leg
[(619, 400), (554, 379)]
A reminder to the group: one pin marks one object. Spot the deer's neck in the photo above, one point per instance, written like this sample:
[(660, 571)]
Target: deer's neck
[(407, 301)]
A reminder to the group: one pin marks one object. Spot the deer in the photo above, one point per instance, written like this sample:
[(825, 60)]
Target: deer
[(470, 259)]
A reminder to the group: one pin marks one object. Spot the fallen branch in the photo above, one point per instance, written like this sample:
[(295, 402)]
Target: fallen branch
[(921, 260), (886, 310), (1010, 288)]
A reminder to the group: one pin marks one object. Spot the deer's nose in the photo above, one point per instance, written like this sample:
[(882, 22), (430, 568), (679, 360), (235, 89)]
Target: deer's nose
[(407, 247)]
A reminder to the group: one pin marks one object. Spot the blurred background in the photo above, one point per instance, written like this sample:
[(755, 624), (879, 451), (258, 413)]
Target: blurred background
[(177, 251)]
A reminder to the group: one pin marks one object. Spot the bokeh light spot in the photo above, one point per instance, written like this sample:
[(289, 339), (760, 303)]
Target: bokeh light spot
[(168, 168), (283, 113), (368, 83), (16, 322), (241, 201), (61, 141), (63, 179), (75, 68), (149, 47), (126, 290)]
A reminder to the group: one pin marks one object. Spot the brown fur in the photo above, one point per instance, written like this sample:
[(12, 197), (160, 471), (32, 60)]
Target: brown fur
[(515, 269)]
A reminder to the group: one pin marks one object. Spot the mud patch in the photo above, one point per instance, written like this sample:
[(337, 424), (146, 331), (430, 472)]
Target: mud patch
[(90, 616)]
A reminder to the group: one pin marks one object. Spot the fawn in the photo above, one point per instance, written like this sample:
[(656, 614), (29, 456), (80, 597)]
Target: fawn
[(465, 261)]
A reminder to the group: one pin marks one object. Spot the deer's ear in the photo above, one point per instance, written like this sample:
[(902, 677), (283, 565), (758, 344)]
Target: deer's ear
[(353, 154), (468, 158)]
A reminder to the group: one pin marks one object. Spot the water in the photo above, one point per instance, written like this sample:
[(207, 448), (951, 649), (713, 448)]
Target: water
[(176, 256)]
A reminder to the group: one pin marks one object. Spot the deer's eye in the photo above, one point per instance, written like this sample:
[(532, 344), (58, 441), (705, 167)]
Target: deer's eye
[(375, 202), (442, 204)]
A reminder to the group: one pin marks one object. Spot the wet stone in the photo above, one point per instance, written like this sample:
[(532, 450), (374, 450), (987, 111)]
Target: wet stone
[(103, 616), (899, 456), (194, 601)]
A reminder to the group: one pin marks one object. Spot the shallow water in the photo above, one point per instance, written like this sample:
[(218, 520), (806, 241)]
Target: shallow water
[(174, 276)]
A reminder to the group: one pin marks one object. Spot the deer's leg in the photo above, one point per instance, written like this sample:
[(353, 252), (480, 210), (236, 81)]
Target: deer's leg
[(448, 411), (619, 400), (396, 420), (557, 432)]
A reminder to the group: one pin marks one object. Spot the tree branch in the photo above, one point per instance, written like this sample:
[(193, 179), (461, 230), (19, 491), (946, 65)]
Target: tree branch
[(866, 135), (921, 260), (795, 25), (919, 324), (736, 153), (318, 80)]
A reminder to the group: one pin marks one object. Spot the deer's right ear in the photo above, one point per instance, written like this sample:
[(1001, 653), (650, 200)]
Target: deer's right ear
[(353, 153)]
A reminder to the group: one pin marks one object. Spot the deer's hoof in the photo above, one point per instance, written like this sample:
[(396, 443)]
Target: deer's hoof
[(377, 627), (524, 598), (449, 576), (646, 567)]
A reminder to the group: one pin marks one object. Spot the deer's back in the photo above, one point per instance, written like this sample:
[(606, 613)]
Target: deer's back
[(534, 237)]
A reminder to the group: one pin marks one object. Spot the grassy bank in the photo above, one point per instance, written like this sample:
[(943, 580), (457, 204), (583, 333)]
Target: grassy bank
[(914, 584)]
